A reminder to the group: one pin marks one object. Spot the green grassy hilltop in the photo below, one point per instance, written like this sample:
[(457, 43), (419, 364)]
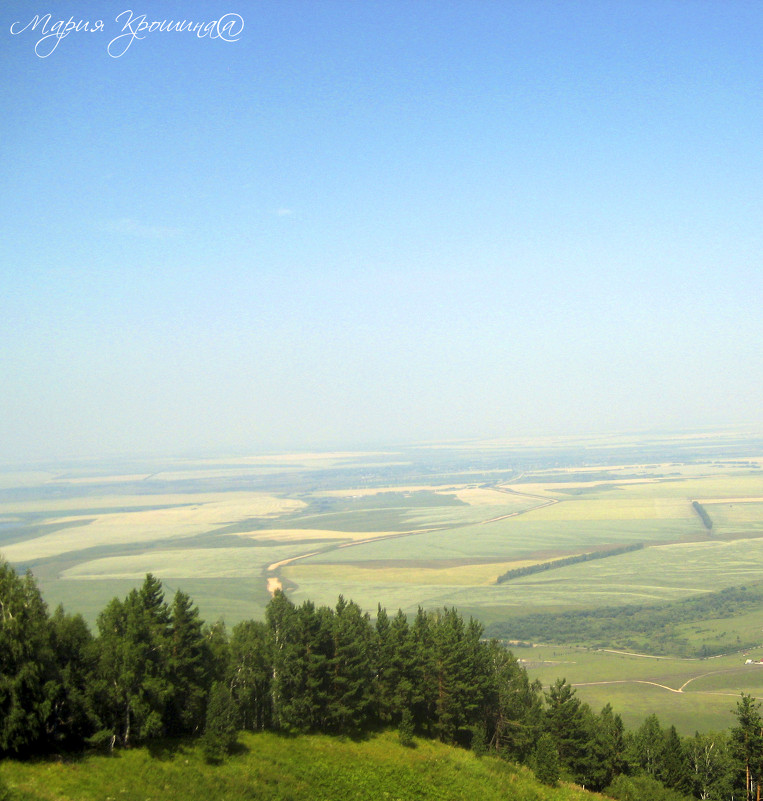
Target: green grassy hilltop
[(269, 766)]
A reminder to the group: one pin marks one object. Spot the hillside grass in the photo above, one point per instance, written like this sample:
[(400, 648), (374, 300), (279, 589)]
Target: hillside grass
[(278, 768)]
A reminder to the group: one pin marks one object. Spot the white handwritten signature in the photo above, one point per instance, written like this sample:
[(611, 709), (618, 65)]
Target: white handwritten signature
[(229, 28)]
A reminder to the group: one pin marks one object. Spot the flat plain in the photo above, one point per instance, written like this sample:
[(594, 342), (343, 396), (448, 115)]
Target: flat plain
[(432, 526)]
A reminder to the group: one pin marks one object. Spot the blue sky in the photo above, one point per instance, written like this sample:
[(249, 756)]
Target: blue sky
[(374, 223)]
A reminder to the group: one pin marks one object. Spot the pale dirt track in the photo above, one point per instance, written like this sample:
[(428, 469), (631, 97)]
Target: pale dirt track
[(544, 502), (664, 686)]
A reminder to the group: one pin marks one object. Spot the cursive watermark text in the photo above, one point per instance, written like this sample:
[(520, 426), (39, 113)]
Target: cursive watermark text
[(130, 26)]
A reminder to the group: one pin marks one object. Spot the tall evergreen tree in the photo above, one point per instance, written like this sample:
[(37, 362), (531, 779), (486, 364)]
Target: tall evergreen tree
[(133, 686), (424, 691), (546, 760), (351, 667), (188, 668), (565, 720), (606, 750), (220, 725), (674, 771), (646, 747), (27, 663)]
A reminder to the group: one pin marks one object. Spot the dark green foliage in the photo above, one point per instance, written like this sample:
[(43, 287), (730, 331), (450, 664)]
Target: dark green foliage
[(606, 749), (546, 760), (28, 676), (710, 768), (250, 673), (133, 687), (540, 567), (405, 729), (674, 771), (747, 743), (351, 667), (645, 748), (458, 677), (71, 718), (479, 740), (515, 709), (566, 721), (704, 516), (641, 788), (187, 668), (220, 726)]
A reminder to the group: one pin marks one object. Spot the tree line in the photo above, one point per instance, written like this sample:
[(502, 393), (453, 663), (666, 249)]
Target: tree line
[(651, 629), (154, 669), (704, 516), (539, 567)]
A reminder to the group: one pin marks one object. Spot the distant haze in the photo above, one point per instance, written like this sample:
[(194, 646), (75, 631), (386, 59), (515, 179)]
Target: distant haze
[(371, 223)]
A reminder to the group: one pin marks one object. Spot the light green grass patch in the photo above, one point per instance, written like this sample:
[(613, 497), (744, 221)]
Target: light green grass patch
[(736, 518), (688, 712), (273, 768)]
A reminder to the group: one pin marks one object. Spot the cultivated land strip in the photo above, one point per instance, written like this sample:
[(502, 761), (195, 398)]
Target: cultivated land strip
[(274, 581)]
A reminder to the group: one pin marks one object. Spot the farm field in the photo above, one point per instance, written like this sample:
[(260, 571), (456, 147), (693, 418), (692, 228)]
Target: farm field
[(432, 526), (692, 694)]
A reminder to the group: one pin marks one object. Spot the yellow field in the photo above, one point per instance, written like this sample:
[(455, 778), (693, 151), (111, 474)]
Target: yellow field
[(147, 525), (290, 534), (176, 563), (269, 504)]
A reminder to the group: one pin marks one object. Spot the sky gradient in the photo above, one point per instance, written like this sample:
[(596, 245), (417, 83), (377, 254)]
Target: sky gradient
[(370, 223)]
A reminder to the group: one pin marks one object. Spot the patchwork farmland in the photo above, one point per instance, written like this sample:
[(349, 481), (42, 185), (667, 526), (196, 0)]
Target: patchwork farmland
[(434, 526)]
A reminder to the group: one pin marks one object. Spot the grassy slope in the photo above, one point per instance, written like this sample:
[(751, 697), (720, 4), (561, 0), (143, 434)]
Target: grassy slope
[(313, 768)]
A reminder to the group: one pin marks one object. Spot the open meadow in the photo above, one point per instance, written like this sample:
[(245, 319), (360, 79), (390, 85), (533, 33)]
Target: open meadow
[(499, 530)]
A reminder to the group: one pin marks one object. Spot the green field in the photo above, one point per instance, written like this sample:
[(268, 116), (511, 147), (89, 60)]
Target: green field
[(709, 688)]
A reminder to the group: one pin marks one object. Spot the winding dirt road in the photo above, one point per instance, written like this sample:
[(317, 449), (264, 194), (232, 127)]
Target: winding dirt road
[(274, 581)]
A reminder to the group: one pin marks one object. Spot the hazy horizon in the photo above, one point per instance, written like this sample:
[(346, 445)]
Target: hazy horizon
[(376, 223)]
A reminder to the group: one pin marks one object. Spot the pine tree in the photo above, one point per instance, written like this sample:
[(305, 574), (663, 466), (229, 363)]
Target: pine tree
[(188, 664), (405, 729), (606, 749), (646, 747), (352, 669), (565, 720), (133, 685), (546, 760), (674, 771), (220, 726)]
